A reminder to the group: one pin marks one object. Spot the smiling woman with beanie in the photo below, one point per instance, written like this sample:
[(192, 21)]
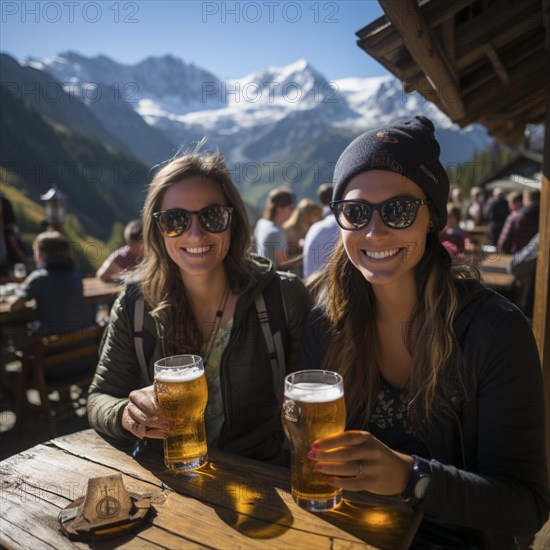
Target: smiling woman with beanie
[(442, 377)]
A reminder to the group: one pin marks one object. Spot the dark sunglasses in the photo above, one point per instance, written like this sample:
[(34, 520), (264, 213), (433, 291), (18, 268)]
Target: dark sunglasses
[(176, 221), (396, 213)]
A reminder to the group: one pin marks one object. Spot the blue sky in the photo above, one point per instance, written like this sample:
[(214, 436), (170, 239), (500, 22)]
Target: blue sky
[(230, 39)]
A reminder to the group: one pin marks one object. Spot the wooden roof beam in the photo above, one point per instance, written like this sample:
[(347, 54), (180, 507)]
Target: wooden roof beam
[(510, 126), (381, 38), (532, 103), (472, 62), (513, 58), (448, 28), (506, 26), (477, 79), (497, 63), (524, 81), (425, 50)]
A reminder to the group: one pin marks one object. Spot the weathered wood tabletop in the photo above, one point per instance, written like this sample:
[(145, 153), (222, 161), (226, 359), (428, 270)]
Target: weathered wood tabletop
[(232, 502)]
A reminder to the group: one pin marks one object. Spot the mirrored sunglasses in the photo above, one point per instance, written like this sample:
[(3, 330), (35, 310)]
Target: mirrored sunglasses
[(396, 213), (176, 221)]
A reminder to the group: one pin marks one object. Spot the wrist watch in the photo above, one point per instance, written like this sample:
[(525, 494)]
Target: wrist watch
[(418, 483)]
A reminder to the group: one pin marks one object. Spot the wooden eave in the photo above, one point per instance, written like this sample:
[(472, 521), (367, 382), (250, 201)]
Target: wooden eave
[(479, 61)]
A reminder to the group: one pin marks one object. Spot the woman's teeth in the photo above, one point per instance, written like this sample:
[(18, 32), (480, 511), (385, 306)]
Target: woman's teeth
[(382, 254), (198, 250)]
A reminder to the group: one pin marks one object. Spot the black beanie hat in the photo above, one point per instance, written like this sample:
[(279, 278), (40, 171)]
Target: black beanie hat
[(408, 148)]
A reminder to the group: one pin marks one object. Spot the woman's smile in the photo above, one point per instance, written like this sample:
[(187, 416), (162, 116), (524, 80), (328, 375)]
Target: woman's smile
[(198, 250), (382, 255)]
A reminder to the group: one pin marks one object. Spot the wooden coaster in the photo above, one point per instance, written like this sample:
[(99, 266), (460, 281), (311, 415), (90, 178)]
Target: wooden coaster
[(107, 510)]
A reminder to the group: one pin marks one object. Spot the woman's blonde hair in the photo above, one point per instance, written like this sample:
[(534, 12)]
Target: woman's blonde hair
[(160, 281), (304, 215), (429, 336)]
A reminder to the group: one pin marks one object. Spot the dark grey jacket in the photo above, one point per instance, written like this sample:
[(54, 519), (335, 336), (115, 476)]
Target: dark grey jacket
[(489, 459), (252, 417)]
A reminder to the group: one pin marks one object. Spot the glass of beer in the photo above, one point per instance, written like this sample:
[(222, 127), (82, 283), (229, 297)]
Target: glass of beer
[(19, 272), (313, 408), (181, 393)]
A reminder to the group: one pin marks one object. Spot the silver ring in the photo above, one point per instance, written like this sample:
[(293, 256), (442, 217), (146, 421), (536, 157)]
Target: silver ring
[(361, 468)]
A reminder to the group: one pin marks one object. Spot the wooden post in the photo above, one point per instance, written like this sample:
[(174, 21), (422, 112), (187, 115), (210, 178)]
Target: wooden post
[(541, 313), (426, 51)]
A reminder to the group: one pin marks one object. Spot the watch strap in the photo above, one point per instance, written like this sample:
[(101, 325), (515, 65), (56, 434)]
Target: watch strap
[(415, 490)]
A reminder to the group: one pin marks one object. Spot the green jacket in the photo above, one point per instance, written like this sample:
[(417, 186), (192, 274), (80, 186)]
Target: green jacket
[(252, 417)]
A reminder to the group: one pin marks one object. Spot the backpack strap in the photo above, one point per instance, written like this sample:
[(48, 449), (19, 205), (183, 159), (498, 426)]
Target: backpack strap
[(272, 316), (139, 313), (135, 306), (274, 329)]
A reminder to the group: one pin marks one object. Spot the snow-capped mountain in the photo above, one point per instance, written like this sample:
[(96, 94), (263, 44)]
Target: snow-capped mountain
[(280, 114), (178, 84)]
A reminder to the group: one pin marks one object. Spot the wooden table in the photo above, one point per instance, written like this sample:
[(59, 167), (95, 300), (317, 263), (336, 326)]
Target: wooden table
[(232, 502), (95, 292), (494, 270), (496, 263), (478, 234)]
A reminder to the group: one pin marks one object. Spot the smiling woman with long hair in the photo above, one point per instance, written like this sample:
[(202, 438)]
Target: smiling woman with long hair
[(199, 286), (442, 378)]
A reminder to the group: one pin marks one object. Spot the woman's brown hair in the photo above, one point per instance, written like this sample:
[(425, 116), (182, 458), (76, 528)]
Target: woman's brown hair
[(429, 336), (160, 282)]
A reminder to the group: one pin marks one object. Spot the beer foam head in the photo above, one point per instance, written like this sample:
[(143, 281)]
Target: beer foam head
[(181, 374), (313, 392)]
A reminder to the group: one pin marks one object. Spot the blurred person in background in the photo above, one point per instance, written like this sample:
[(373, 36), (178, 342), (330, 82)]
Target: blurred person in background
[(57, 289), (56, 286), (302, 218), (452, 236), (269, 236), (524, 267), (126, 257), (11, 248), (515, 201), (322, 236), (475, 208), (521, 225), (496, 212)]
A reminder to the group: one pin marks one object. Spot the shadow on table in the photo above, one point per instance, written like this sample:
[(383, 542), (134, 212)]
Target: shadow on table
[(254, 509), (249, 502), (385, 524)]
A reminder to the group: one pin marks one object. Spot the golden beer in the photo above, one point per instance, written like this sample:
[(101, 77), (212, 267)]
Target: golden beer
[(181, 393), (313, 408)]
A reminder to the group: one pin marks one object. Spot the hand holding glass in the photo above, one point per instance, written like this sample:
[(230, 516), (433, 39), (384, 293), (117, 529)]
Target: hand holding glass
[(181, 393), (313, 408)]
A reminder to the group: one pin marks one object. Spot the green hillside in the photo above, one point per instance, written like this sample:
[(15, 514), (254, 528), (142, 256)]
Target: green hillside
[(89, 251), (104, 187)]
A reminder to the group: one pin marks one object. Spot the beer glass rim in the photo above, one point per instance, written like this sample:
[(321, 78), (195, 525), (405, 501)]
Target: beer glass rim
[(177, 362), (290, 378)]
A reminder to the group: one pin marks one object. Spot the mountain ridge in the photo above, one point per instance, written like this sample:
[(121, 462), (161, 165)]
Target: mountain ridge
[(232, 112), (264, 122)]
